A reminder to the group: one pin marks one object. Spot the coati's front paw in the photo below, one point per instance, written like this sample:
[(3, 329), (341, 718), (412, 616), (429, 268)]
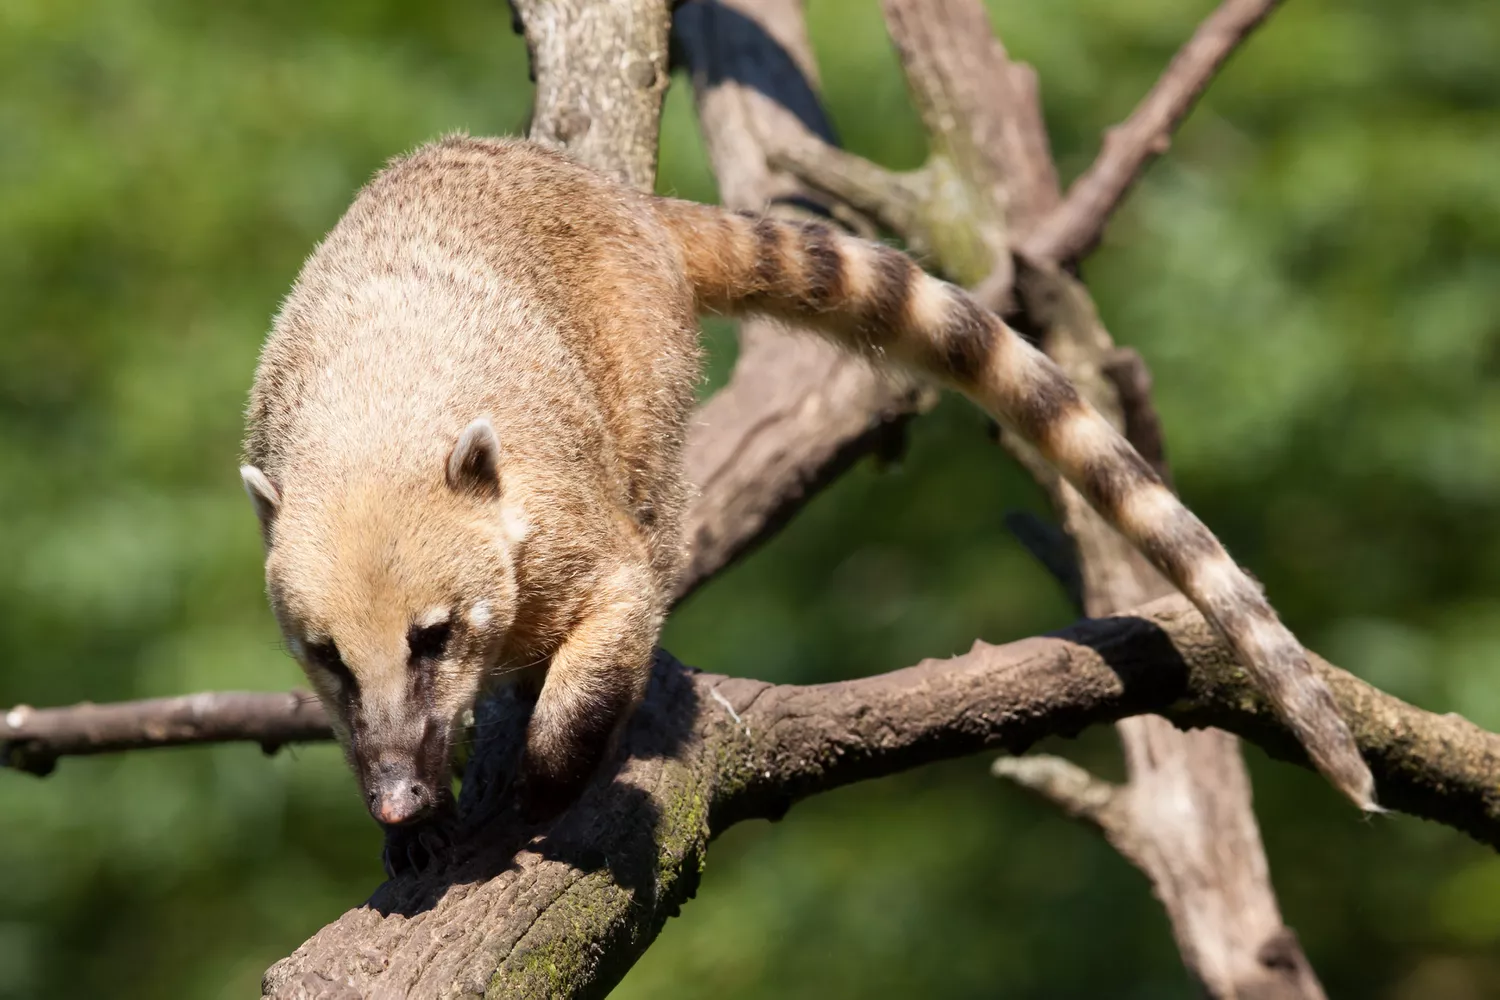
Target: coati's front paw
[(416, 847)]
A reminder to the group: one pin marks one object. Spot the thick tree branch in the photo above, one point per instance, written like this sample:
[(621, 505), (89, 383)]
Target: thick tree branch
[(1438, 767), (523, 912), (982, 114), (1073, 229)]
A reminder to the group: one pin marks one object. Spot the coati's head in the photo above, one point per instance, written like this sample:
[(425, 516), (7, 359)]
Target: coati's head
[(396, 596)]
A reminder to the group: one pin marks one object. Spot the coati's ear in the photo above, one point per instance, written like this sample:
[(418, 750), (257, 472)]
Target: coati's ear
[(264, 496), (474, 464)]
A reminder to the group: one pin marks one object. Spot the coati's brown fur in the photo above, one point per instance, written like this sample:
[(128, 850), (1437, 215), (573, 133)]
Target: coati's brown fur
[(465, 446)]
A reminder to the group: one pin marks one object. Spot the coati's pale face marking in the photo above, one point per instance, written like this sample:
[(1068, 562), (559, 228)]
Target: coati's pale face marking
[(379, 594)]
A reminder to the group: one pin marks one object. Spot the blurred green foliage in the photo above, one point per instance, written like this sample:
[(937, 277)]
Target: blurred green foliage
[(1313, 274)]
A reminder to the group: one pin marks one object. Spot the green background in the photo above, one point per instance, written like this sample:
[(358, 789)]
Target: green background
[(1313, 274)]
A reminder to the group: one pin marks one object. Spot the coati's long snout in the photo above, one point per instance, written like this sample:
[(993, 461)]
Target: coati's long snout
[(404, 780)]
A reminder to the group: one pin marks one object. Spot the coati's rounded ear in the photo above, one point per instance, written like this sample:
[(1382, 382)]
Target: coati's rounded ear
[(474, 464), (264, 496)]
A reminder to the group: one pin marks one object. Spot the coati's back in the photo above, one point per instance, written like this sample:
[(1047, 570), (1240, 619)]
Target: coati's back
[(489, 277)]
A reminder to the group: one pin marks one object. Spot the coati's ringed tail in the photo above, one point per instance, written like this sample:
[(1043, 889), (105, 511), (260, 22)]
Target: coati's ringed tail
[(874, 300)]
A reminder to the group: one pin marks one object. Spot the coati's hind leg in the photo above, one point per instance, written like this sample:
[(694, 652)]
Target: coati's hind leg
[(596, 678)]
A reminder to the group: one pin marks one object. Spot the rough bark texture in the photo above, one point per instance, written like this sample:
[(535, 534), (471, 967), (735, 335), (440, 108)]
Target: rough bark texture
[(525, 912), (601, 72), (991, 170)]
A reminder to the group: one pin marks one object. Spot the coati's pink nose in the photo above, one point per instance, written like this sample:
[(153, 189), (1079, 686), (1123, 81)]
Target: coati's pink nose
[(399, 802), (396, 808), (396, 798)]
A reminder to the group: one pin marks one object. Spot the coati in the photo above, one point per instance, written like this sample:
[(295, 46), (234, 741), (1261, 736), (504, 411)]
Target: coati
[(465, 445)]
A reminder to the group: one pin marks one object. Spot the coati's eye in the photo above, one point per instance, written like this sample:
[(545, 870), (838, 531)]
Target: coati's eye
[(326, 655), (427, 642)]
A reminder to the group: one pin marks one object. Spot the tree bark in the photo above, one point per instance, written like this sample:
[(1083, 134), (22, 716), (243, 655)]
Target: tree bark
[(601, 73)]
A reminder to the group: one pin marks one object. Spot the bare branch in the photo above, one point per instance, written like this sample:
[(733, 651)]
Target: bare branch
[(1439, 767), (564, 911), (1074, 228), (31, 739), (989, 173), (1066, 785), (1127, 371), (896, 200), (981, 111)]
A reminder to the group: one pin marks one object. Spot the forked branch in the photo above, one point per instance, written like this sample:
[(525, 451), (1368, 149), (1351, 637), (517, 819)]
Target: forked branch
[(1007, 125), (1071, 230)]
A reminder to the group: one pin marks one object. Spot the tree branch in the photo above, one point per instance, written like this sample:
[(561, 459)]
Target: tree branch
[(601, 73), (562, 912), (989, 173), (1072, 789), (31, 739), (895, 200), (1439, 767), (1071, 230)]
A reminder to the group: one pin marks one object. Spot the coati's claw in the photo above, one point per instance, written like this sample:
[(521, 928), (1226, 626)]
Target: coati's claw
[(416, 847)]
